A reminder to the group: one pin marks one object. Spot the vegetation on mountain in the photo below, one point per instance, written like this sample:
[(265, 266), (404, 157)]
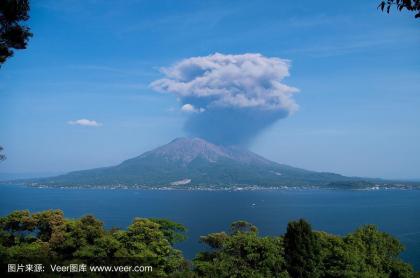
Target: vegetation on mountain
[(240, 252)]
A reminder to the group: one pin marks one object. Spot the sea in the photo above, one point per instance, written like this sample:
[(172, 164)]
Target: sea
[(335, 211)]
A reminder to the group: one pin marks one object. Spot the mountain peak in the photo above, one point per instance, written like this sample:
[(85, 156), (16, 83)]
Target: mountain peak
[(186, 139), (189, 140), (186, 150)]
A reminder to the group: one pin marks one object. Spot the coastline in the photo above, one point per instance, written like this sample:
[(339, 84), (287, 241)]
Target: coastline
[(217, 187)]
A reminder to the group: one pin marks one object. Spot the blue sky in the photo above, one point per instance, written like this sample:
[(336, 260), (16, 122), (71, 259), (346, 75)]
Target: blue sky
[(357, 69)]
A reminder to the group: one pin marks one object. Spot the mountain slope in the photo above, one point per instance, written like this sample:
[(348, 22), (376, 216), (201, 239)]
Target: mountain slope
[(196, 162)]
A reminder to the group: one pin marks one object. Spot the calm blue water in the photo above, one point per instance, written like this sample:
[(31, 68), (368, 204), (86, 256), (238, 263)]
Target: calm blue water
[(340, 212)]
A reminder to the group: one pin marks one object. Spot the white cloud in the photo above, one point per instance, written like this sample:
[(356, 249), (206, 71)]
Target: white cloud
[(233, 81), (84, 122), (190, 108)]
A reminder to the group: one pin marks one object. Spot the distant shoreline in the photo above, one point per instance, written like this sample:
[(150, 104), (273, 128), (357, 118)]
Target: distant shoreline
[(216, 188)]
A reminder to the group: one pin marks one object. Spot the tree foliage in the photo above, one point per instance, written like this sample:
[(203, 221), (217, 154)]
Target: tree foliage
[(301, 252), (13, 35), (409, 5), (49, 234), (301, 248), (241, 252), (366, 252)]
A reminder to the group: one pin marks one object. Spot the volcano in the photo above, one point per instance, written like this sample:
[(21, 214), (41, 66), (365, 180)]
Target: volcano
[(194, 162)]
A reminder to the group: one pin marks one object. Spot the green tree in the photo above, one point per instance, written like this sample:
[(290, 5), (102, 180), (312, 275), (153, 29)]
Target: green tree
[(366, 252), (377, 252), (336, 259), (172, 231), (301, 250), (49, 234), (145, 241), (242, 253), (13, 35)]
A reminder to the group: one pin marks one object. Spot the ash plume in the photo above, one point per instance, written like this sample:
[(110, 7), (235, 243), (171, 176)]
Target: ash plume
[(229, 99)]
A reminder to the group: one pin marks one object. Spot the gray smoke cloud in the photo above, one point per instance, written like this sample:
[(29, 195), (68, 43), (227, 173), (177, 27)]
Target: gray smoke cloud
[(229, 98)]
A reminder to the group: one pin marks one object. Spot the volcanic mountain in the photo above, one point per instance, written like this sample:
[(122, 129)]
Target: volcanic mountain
[(194, 162)]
